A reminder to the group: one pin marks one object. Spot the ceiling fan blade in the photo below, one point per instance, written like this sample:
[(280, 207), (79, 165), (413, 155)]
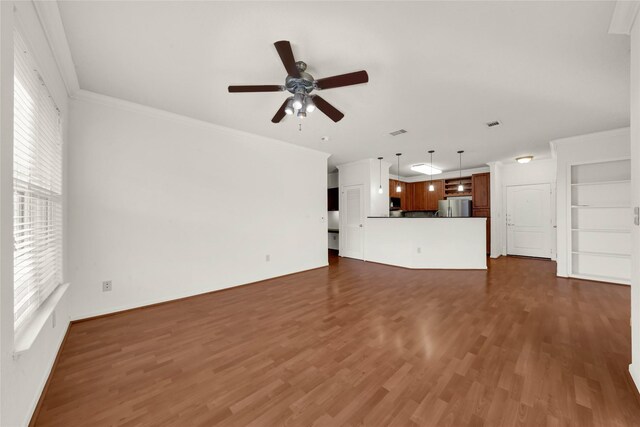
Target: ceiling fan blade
[(280, 113), (286, 55), (343, 80), (331, 111), (256, 88)]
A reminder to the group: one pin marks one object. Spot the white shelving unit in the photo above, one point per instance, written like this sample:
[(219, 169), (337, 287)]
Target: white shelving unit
[(600, 242)]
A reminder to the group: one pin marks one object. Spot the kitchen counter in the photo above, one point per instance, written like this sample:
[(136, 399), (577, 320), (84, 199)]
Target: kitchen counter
[(447, 243)]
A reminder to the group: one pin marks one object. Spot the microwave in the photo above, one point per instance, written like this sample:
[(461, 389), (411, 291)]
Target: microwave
[(394, 203)]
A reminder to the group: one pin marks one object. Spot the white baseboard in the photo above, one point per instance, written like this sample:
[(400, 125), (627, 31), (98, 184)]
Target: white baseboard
[(635, 376)]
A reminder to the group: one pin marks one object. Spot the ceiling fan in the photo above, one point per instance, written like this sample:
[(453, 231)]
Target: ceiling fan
[(301, 84)]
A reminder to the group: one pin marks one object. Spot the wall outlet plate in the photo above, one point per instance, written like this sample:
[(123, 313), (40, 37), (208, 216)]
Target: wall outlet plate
[(106, 286)]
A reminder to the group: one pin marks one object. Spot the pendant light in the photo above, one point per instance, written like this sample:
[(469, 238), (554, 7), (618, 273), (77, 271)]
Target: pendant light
[(398, 188), (431, 187), (380, 188), (460, 186)]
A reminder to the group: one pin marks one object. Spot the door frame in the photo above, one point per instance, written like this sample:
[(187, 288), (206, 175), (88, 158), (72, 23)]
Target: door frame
[(343, 202), (553, 214)]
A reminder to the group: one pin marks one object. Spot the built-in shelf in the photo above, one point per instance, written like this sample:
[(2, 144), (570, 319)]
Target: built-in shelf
[(578, 184), (600, 230), (600, 207), (602, 254), (600, 243)]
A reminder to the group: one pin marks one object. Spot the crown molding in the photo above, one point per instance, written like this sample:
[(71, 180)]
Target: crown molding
[(51, 22), (624, 15), (96, 98)]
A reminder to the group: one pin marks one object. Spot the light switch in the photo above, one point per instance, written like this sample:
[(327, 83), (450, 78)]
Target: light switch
[(636, 215)]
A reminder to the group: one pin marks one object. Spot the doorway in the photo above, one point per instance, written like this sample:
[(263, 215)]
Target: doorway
[(529, 220), (352, 219)]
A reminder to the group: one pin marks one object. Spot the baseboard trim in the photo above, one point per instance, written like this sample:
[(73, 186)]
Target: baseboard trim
[(36, 411), (144, 306)]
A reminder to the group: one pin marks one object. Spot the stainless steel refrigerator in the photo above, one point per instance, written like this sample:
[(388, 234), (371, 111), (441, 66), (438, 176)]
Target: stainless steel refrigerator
[(454, 207)]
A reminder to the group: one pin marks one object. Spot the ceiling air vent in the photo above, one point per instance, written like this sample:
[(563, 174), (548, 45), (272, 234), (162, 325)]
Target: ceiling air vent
[(397, 132), (494, 123)]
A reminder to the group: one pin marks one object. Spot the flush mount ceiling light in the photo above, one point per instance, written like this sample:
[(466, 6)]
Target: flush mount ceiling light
[(524, 159), (425, 169)]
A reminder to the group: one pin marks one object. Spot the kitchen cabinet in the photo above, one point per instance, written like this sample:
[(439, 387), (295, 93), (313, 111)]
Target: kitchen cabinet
[(406, 200), (393, 183), (333, 199), (433, 197), (482, 201), (480, 190), (419, 196), (451, 186)]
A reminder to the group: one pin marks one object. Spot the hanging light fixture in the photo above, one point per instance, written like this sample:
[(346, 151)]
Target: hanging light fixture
[(460, 186), (380, 191), (398, 188), (431, 187)]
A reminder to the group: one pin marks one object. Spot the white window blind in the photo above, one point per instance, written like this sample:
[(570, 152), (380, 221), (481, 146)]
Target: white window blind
[(37, 188)]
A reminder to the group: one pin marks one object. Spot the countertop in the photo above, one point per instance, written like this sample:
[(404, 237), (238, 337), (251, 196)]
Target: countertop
[(427, 217)]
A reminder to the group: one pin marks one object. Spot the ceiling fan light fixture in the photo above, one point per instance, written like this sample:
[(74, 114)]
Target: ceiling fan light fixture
[(289, 108), (298, 99), (302, 114), (309, 105)]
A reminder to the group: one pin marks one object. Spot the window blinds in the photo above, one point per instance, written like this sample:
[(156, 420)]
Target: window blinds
[(37, 188)]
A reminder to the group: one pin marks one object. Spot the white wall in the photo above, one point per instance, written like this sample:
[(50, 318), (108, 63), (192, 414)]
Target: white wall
[(595, 147), (333, 180), (634, 368), (498, 224), (167, 207), (23, 377), (513, 174)]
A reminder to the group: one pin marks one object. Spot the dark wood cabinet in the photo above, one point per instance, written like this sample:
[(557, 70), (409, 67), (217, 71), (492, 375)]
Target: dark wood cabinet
[(433, 197), (333, 199), (482, 201), (480, 191)]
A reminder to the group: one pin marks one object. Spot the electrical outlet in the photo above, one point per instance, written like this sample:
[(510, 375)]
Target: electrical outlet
[(268, 258), (419, 250), (106, 286)]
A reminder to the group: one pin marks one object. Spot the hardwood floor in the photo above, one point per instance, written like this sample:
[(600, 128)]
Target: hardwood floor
[(360, 343)]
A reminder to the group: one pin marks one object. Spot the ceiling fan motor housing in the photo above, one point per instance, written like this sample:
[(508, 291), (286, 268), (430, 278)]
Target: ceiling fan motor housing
[(305, 81)]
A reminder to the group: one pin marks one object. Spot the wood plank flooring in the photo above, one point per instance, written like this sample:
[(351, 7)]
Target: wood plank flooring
[(359, 344)]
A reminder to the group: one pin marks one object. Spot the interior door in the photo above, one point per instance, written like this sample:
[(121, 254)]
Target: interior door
[(352, 216), (529, 220)]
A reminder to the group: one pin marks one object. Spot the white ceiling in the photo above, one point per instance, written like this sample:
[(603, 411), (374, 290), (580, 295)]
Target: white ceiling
[(437, 69)]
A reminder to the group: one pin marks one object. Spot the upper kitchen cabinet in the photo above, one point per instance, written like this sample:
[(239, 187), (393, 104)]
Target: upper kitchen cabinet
[(392, 188), (333, 199), (419, 196), (480, 190), (434, 196)]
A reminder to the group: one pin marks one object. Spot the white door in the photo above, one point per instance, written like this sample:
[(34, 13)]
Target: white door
[(351, 216), (529, 220)]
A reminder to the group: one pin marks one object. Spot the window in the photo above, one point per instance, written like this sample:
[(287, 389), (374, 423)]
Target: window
[(37, 188)]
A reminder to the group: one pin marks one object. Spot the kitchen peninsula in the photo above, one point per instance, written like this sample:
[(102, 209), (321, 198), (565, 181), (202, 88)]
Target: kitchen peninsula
[(455, 243)]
